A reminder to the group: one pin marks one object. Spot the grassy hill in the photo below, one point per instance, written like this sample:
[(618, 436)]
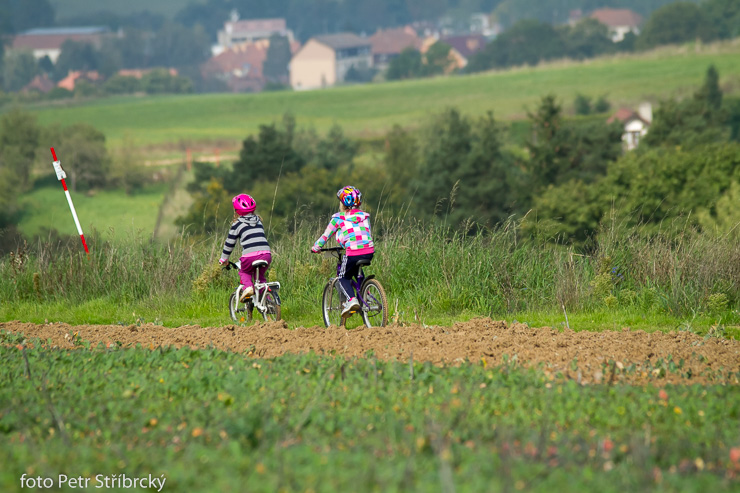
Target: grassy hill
[(112, 213), (72, 8), (372, 109)]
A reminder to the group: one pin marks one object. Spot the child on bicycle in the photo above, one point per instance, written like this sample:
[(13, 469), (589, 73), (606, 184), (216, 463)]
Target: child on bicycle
[(352, 228), (247, 228)]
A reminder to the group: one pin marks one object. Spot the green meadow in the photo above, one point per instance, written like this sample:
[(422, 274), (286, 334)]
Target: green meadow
[(112, 213), (370, 110)]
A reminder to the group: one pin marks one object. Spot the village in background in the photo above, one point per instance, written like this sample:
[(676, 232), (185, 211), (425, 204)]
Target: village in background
[(252, 55)]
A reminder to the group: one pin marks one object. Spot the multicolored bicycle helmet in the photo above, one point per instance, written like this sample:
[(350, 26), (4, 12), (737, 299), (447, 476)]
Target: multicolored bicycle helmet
[(244, 204), (349, 196)]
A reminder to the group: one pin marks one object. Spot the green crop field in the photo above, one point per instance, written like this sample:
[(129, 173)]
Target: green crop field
[(215, 421), (73, 8), (374, 108)]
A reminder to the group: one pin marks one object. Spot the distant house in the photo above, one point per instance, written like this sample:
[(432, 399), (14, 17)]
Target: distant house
[(241, 65), (74, 76), (325, 60), (619, 21), (636, 124), (480, 23), (389, 43), (462, 48), (237, 31), (40, 83), (48, 41)]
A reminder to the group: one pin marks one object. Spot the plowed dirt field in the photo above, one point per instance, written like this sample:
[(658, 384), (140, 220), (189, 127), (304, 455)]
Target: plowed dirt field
[(590, 357)]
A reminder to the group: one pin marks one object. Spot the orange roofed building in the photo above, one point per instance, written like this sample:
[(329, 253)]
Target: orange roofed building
[(240, 66), (389, 43), (73, 76)]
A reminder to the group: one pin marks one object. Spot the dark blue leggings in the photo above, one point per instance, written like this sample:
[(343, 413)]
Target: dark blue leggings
[(346, 270)]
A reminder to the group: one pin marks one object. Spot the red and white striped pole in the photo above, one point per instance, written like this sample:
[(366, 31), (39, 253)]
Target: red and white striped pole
[(61, 175)]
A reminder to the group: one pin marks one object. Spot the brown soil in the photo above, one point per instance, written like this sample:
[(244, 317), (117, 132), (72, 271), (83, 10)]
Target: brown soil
[(480, 341)]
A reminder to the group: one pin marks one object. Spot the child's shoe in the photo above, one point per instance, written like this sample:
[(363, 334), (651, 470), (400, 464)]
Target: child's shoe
[(350, 306), (246, 294)]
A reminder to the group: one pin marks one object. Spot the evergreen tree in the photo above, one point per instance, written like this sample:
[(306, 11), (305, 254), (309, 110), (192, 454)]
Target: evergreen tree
[(693, 121), (401, 166), (264, 158), (710, 93), (677, 22), (437, 59), (275, 68), (464, 174), (447, 145), (336, 149), (407, 65), (561, 151), (549, 145)]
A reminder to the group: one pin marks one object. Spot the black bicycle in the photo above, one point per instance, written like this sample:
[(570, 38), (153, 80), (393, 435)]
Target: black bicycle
[(266, 297), (370, 294)]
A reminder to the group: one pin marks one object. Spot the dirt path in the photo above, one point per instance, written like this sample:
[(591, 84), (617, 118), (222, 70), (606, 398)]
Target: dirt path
[(585, 356)]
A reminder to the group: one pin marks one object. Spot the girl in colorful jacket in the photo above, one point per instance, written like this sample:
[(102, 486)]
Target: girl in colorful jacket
[(352, 228)]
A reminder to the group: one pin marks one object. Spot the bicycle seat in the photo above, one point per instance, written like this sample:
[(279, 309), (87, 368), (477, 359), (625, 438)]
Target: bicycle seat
[(259, 263), (362, 263)]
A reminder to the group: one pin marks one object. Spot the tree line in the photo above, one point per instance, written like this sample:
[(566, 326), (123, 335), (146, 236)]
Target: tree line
[(569, 175)]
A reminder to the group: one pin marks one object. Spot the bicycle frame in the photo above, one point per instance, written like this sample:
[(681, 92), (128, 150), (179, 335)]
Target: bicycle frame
[(260, 288), (356, 281)]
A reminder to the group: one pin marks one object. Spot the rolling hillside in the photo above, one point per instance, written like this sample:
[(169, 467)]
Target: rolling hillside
[(372, 109)]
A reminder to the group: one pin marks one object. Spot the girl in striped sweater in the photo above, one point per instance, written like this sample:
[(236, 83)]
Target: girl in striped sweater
[(247, 228), (352, 228)]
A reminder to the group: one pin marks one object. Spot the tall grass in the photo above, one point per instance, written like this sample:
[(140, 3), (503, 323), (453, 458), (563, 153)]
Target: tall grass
[(427, 270)]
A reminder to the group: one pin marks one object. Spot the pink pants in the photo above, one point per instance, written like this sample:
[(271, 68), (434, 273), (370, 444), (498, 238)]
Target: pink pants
[(246, 273)]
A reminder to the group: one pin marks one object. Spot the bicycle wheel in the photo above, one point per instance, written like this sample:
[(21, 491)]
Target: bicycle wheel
[(375, 310), (240, 312), (331, 305), (272, 313)]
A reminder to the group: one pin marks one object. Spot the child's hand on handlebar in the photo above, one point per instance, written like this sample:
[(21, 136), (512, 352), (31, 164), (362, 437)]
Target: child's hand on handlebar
[(222, 261), (315, 249)]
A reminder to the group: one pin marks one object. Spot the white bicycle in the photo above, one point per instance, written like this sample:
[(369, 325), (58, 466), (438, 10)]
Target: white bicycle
[(266, 297)]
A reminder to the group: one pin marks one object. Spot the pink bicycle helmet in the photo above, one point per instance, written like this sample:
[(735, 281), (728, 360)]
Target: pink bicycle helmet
[(244, 204)]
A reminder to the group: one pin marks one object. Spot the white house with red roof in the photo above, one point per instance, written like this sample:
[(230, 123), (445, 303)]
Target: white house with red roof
[(619, 21), (636, 124)]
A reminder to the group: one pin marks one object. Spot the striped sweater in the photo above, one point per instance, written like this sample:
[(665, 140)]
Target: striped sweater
[(250, 233), (353, 232)]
